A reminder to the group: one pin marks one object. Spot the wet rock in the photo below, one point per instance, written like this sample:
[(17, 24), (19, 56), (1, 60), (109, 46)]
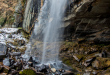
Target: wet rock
[(43, 68), (30, 64), (104, 54), (57, 73), (47, 66), (3, 51), (14, 72), (30, 59), (6, 62), (11, 62), (25, 66), (21, 42), (39, 69), (62, 70), (15, 54)]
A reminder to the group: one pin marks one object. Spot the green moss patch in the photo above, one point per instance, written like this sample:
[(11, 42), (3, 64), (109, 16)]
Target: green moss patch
[(27, 72)]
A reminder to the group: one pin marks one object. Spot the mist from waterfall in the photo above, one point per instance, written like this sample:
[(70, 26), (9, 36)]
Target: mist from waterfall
[(47, 28)]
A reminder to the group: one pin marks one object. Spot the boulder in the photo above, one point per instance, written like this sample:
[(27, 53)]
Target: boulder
[(6, 62), (101, 63), (3, 50)]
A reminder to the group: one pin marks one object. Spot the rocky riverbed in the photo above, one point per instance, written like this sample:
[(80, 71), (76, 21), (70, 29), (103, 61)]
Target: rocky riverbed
[(87, 57), (82, 57), (12, 46)]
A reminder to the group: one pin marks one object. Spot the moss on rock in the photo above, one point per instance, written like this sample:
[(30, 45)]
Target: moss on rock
[(27, 72)]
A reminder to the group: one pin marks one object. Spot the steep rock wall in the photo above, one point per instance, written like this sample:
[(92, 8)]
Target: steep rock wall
[(31, 13), (90, 20)]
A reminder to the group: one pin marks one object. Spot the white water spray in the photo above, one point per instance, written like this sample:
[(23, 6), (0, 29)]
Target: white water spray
[(49, 22), (51, 33)]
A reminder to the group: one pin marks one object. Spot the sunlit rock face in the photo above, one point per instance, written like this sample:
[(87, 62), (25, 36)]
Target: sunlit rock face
[(7, 9), (90, 19)]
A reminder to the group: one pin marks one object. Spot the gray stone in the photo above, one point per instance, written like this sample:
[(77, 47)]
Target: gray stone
[(6, 62), (15, 54), (3, 51)]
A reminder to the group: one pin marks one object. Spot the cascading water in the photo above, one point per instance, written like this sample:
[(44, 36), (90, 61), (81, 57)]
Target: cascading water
[(51, 33), (49, 22)]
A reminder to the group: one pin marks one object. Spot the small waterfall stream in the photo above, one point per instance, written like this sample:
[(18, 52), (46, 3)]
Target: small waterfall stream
[(50, 31), (47, 29)]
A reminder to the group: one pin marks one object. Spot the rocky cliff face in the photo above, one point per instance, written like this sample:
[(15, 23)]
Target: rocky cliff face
[(31, 13), (87, 36), (90, 20)]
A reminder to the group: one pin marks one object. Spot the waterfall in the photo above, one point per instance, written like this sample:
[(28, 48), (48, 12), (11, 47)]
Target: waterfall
[(51, 33), (47, 29)]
